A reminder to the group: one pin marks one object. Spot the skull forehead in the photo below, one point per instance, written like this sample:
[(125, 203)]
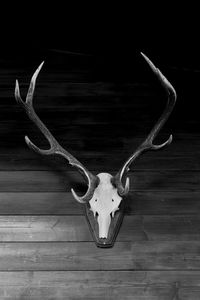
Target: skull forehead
[(104, 177), (105, 198)]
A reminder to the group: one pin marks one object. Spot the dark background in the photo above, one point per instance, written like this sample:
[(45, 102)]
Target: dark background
[(117, 31)]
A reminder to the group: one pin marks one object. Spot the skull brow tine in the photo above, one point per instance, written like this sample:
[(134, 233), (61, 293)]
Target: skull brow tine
[(55, 147), (148, 142)]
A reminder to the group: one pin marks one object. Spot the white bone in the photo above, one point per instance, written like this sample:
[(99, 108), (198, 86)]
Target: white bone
[(104, 203)]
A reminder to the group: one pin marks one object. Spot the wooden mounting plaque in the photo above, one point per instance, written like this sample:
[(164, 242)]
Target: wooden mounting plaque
[(113, 230)]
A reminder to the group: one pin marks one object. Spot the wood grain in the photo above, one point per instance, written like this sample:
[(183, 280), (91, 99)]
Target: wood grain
[(22, 158), (63, 203), (108, 285), (65, 256), (75, 228), (60, 181)]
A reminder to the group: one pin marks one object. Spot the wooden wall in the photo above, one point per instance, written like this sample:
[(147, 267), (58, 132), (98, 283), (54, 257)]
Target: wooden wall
[(100, 113)]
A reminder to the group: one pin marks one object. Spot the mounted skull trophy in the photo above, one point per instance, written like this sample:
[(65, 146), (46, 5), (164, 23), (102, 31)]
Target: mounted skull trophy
[(105, 192)]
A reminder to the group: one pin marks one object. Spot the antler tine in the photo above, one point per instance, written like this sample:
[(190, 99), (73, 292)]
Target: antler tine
[(148, 142), (55, 147), (31, 113)]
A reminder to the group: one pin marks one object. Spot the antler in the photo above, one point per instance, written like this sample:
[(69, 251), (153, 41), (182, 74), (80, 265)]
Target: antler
[(55, 147), (148, 142)]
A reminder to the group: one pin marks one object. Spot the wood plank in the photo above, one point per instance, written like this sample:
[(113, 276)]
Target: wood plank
[(46, 228), (146, 103), (75, 228), (83, 128), (99, 162), (96, 285), (39, 204), (22, 158), (92, 115), (83, 124), (65, 256), (122, 113), (103, 116), (59, 181), (161, 202), (56, 85), (141, 98), (83, 140), (63, 203)]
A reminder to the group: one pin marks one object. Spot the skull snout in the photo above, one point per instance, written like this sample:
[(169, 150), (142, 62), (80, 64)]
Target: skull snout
[(104, 225)]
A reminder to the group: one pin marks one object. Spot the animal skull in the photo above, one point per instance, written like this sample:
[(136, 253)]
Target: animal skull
[(104, 203), (105, 192)]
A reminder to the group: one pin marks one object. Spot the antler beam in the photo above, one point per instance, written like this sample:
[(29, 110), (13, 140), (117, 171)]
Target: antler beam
[(148, 142), (55, 147)]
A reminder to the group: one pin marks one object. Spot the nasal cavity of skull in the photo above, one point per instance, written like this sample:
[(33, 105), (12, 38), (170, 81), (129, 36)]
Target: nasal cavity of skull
[(95, 214), (94, 211)]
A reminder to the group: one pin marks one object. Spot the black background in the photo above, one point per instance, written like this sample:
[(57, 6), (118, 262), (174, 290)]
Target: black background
[(108, 38), (117, 32)]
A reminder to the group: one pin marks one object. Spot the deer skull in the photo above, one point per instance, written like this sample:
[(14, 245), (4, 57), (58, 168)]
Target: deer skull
[(105, 192), (104, 203)]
